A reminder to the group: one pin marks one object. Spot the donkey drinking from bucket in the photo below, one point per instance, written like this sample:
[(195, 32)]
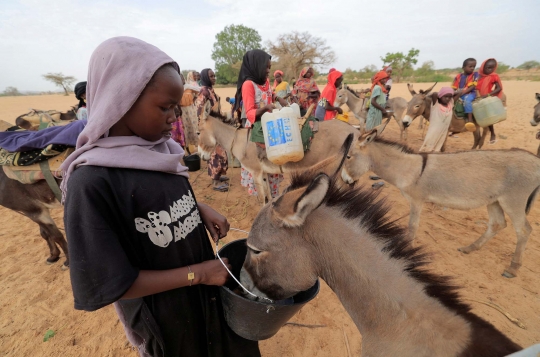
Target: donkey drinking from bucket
[(34, 201), (326, 143), (342, 234), (506, 181)]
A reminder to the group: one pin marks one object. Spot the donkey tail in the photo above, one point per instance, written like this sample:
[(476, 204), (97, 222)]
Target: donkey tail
[(531, 199)]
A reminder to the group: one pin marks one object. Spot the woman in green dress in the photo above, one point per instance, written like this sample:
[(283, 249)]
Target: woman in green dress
[(378, 100)]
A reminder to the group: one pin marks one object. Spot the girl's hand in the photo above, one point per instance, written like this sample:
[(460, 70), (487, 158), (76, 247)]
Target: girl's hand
[(339, 110), (215, 223), (211, 272), (270, 107), (384, 112)]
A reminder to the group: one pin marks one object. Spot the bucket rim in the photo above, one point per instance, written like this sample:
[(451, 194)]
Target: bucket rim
[(316, 285)]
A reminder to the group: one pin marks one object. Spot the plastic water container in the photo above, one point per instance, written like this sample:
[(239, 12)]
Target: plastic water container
[(489, 111), (282, 135)]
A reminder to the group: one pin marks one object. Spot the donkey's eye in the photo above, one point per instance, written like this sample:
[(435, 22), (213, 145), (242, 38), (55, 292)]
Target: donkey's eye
[(349, 157), (255, 251), (417, 106)]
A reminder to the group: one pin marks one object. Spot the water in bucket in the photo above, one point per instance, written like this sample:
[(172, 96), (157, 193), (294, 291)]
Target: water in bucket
[(489, 111), (282, 135)]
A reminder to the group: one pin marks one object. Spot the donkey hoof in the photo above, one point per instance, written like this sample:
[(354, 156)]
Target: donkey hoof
[(508, 275), (64, 267), (52, 260), (466, 249)]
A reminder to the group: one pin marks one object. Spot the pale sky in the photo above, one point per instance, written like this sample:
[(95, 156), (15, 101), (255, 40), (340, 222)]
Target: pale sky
[(40, 36)]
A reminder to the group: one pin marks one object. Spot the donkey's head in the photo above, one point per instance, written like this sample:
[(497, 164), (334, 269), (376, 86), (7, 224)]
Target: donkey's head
[(207, 130), (417, 105), (358, 161), (536, 116), (341, 98), (280, 261)]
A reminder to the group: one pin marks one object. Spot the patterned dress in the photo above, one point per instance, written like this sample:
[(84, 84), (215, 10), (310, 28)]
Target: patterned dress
[(206, 101)]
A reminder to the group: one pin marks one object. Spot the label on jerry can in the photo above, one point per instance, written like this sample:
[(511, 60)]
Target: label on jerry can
[(279, 131)]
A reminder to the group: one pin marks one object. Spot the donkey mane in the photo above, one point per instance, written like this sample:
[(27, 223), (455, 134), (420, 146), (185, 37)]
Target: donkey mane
[(352, 91), (362, 205), (404, 148), (219, 116)]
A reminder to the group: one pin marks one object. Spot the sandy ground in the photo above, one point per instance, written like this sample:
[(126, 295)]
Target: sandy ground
[(36, 297)]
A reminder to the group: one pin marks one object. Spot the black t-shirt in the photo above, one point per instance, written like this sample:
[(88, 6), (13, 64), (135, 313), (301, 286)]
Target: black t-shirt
[(120, 221)]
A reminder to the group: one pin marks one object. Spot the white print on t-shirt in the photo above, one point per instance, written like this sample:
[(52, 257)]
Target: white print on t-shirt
[(157, 228)]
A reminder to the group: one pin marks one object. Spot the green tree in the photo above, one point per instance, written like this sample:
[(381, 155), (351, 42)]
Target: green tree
[(11, 91), (400, 62), (293, 51), (229, 48), (502, 67), (60, 80), (529, 65)]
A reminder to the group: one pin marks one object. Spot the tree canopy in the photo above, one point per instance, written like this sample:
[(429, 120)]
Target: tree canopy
[(529, 65), (400, 62), (229, 48), (11, 91), (60, 80), (293, 51)]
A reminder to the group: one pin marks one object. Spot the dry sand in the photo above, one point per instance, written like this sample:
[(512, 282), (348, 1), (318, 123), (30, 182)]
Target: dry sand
[(36, 297)]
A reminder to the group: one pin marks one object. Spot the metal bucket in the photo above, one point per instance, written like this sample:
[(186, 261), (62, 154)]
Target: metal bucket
[(250, 319)]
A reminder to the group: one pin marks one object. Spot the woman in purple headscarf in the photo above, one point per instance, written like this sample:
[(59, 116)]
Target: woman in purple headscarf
[(439, 120), (136, 234)]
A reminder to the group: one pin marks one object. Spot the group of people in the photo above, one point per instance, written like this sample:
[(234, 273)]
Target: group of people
[(466, 87), (137, 235)]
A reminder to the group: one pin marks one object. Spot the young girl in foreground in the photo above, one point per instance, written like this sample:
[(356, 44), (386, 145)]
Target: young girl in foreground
[(136, 234), (489, 85)]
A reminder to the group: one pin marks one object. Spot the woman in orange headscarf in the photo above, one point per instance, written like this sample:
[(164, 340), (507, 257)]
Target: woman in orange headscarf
[(489, 85), (304, 87), (378, 100)]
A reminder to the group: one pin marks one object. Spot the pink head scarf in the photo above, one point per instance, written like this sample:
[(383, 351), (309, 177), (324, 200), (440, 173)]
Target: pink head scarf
[(444, 91), (119, 70)]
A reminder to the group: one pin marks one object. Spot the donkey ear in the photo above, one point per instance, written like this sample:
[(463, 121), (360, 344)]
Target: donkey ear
[(292, 208), (426, 92), (377, 131), (411, 89)]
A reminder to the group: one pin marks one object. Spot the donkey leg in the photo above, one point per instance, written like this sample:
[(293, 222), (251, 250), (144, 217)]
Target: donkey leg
[(414, 217), (523, 230), (496, 223), (263, 187), (49, 231)]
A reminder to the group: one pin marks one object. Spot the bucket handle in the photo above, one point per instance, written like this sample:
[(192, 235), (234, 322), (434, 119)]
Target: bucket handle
[(231, 274)]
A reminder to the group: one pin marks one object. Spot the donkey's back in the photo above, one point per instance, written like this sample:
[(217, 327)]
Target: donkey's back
[(472, 179)]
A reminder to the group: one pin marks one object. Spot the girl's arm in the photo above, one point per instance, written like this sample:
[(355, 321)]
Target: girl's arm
[(151, 282), (248, 96), (329, 107), (281, 101), (497, 89), (376, 105)]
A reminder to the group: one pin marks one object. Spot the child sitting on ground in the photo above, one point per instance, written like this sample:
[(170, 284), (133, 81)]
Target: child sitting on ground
[(489, 85), (466, 82)]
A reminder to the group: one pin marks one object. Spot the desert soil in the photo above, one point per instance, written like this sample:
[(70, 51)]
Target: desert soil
[(36, 297)]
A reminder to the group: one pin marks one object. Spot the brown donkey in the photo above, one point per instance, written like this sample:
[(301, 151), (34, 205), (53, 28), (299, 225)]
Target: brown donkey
[(506, 181), (34, 202), (342, 234)]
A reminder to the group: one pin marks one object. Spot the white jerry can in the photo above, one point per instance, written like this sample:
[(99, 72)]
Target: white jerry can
[(282, 135)]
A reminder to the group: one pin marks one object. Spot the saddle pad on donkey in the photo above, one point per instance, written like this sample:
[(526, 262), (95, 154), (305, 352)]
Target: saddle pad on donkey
[(33, 173)]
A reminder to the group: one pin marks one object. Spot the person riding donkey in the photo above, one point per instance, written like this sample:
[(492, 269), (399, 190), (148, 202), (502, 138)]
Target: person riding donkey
[(466, 82)]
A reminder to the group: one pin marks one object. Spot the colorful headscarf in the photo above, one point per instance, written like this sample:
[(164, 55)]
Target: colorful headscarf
[(377, 80), (331, 70), (330, 91), (444, 91), (119, 70), (275, 82), (305, 84), (486, 82), (191, 83)]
